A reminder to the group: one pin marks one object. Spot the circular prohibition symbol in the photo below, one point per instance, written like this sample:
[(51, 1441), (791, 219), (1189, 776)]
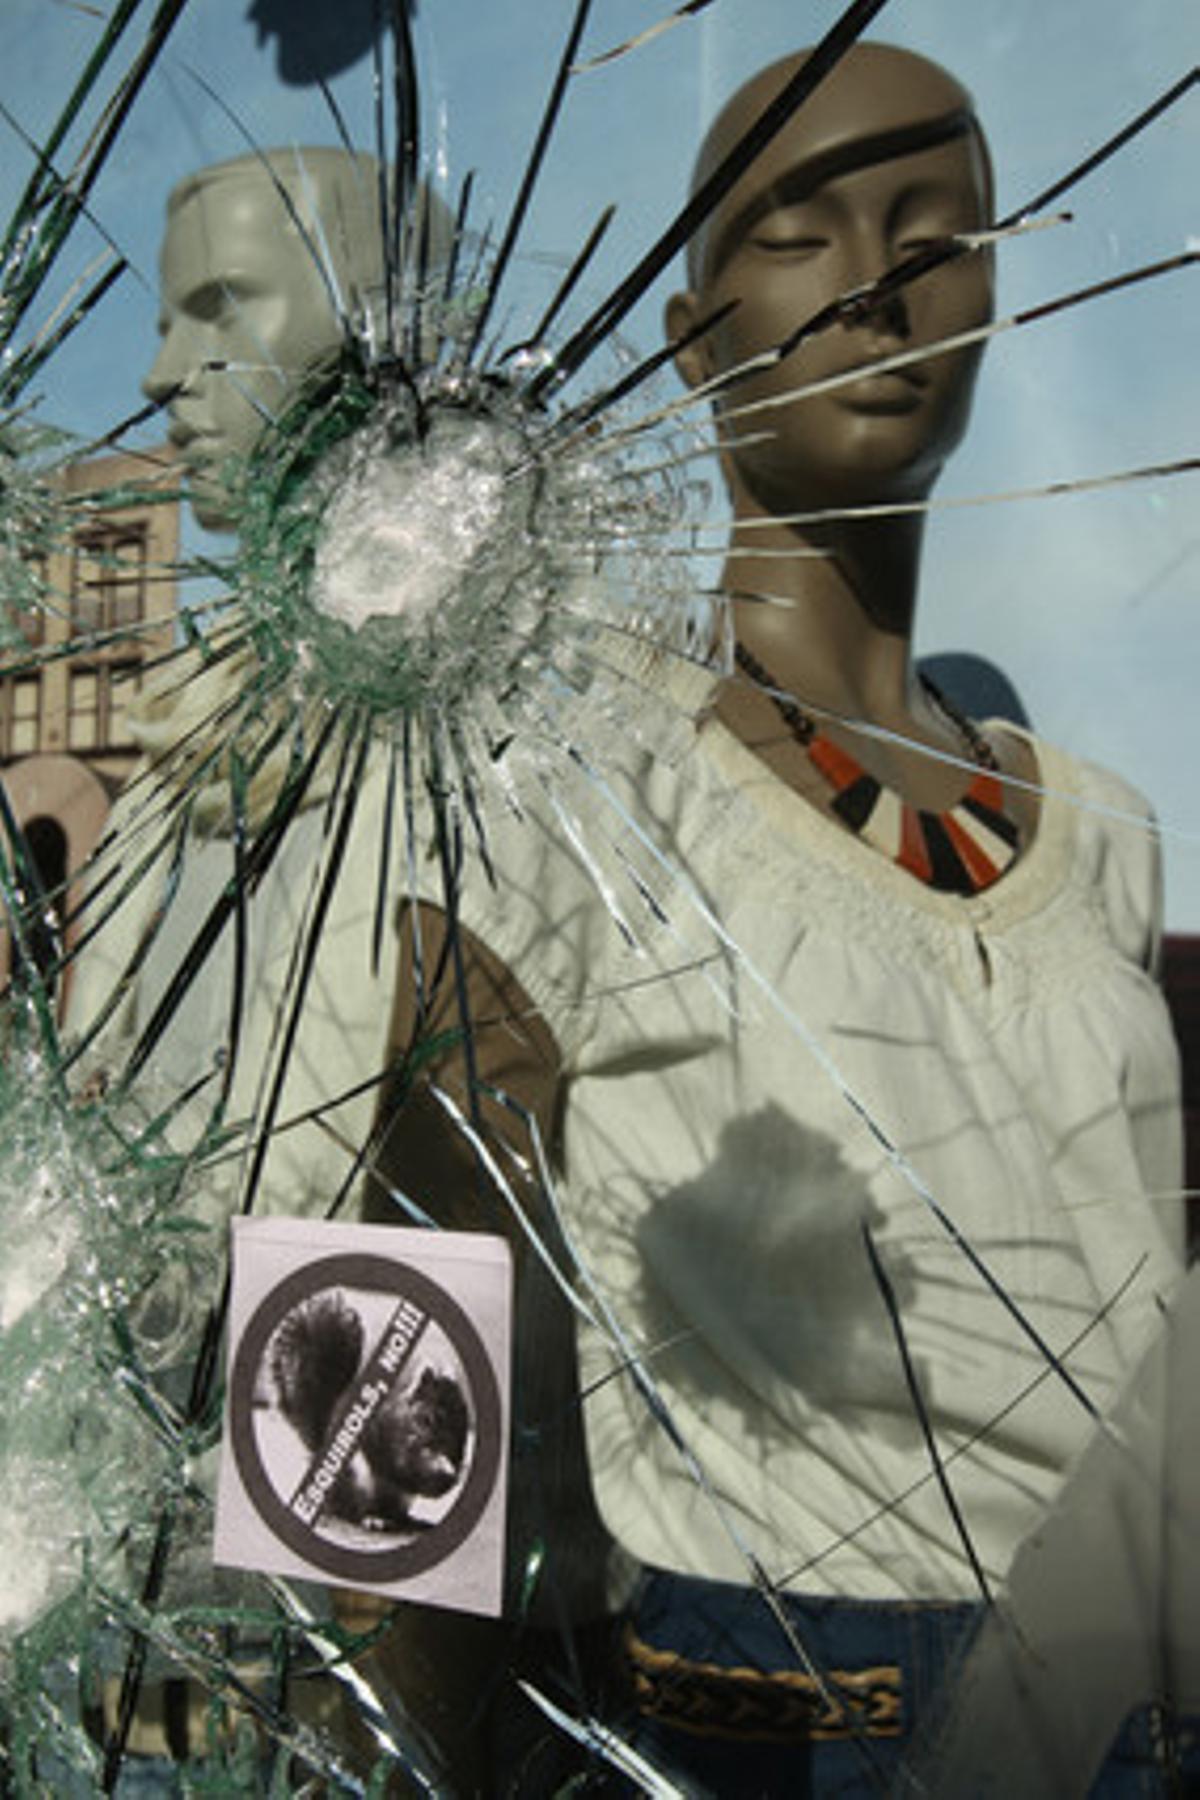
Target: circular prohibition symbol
[(416, 1295)]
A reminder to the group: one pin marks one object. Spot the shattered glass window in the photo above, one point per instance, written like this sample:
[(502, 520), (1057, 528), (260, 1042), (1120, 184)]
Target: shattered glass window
[(592, 1147)]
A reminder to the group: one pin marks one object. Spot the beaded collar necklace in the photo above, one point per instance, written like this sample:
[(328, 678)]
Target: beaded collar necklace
[(960, 851)]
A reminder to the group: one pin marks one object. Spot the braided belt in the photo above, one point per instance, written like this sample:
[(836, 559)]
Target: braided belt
[(783, 1707)]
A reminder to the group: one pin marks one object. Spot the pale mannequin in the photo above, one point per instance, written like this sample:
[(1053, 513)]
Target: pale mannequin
[(885, 158), (267, 260), (272, 266), (246, 314)]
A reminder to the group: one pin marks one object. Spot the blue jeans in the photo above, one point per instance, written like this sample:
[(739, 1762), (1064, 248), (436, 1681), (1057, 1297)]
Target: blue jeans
[(726, 1709), (1135, 1767), (738, 1715)]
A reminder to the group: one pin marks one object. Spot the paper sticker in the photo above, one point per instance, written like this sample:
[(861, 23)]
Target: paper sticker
[(366, 1418)]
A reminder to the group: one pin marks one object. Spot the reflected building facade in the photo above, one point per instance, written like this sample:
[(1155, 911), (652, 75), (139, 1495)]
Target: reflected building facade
[(66, 747)]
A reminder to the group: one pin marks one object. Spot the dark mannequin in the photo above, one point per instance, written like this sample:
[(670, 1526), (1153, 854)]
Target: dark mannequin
[(885, 157), (844, 642)]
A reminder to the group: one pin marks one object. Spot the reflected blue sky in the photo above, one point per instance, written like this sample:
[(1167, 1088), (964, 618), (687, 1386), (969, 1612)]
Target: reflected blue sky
[(1087, 602)]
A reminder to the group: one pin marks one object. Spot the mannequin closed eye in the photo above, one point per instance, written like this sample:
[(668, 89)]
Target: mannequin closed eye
[(916, 225), (929, 215), (214, 302), (791, 231)]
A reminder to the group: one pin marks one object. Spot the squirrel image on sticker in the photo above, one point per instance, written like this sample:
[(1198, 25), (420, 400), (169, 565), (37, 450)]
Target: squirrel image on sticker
[(411, 1448)]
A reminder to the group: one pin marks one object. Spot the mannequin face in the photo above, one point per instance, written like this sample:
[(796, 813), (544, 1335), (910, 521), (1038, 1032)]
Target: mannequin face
[(840, 196), (246, 314)]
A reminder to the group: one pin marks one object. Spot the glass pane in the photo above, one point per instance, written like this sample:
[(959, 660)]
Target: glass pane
[(124, 683), (25, 696), (812, 1068), (87, 606), (83, 725)]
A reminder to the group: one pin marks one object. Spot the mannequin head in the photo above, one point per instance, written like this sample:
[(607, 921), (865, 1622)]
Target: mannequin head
[(247, 311), (885, 156)]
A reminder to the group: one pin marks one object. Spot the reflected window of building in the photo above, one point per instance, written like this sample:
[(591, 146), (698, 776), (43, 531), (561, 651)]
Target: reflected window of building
[(31, 620), (108, 587), (83, 722), (32, 625), (100, 696), (21, 715), (124, 681)]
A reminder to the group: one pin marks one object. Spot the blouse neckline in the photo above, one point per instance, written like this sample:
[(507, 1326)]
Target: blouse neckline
[(1024, 889)]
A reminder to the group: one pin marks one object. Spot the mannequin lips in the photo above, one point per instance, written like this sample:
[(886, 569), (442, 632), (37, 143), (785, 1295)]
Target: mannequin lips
[(194, 446), (891, 391), (884, 390)]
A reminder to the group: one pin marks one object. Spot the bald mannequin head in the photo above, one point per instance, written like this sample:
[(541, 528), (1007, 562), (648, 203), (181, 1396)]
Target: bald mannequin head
[(878, 102), (262, 257), (886, 156)]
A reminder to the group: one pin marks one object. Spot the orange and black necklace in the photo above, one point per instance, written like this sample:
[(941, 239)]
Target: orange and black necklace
[(960, 851)]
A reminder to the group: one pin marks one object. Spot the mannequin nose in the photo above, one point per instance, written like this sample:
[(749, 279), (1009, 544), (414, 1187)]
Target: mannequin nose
[(884, 315), (888, 316), (171, 370)]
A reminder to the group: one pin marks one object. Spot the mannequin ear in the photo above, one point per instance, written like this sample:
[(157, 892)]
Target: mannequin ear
[(694, 361)]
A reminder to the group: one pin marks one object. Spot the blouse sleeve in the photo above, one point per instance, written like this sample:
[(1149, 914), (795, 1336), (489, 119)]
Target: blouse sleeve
[(1124, 840)]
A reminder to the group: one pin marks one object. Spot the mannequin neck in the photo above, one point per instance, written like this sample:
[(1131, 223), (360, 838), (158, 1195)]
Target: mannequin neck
[(835, 627)]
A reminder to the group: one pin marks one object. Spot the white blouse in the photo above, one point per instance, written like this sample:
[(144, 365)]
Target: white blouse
[(811, 1045)]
